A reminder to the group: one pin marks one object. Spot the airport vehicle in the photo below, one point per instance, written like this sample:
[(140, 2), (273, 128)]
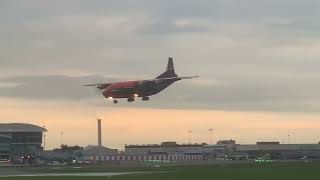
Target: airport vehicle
[(141, 88)]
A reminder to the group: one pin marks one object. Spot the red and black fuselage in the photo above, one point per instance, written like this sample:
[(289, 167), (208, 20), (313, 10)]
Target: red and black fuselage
[(136, 88)]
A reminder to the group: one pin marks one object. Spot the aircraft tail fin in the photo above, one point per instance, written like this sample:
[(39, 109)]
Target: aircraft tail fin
[(170, 70), (170, 66)]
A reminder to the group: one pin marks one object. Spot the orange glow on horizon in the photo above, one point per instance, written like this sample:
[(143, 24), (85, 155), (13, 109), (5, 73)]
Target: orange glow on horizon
[(148, 126)]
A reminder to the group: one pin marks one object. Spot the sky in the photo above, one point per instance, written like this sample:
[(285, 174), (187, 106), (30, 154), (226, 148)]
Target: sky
[(257, 62)]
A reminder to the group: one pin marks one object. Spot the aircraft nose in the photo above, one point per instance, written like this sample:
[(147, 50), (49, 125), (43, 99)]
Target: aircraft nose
[(105, 93)]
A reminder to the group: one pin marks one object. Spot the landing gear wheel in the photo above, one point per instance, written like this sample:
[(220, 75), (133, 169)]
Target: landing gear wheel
[(145, 98), (130, 99), (115, 101)]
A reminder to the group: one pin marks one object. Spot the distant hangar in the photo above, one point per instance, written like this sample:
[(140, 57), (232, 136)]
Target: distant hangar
[(20, 141)]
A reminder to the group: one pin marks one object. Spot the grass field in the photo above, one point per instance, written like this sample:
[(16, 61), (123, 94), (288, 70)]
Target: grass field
[(272, 171)]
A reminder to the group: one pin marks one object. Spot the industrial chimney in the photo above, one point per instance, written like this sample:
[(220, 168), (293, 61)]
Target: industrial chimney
[(99, 133)]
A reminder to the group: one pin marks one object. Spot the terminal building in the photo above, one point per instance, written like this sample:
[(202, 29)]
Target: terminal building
[(20, 141), (272, 150), (281, 151), (165, 151), (228, 150), (164, 148)]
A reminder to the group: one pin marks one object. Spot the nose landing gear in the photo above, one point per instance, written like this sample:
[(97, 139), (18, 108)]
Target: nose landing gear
[(130, 99), (115, 101), (145, 98)]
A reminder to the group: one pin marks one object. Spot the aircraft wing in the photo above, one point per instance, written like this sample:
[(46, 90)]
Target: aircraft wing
[(105, 85), (100, 85)]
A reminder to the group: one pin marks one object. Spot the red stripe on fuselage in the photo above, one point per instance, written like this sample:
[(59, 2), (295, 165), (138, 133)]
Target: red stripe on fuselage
[(108, 92)]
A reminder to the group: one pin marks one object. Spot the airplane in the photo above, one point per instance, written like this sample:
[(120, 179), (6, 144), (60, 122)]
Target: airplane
[(141, 88)]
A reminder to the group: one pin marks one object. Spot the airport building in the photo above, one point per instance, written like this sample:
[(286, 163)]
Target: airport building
[(164, 148), (226, 150), (165, 151), (97, 153), (281, 151), (20, 141), (273, 150)]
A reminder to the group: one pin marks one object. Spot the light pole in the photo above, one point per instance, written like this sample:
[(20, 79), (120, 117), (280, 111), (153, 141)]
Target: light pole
[(189, 136), (288, 138), (44, 138), (211, 134), (61, 138)]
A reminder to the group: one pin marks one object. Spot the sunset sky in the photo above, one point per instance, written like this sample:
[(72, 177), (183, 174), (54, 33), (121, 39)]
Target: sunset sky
[(258, 63)]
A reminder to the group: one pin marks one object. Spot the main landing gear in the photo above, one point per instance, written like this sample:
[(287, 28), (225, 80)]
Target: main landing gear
[(131, 99)]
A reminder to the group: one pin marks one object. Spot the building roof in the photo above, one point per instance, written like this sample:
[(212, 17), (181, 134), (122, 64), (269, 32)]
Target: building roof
[(98, 150), (278, 147), (20, 127), (165, 145)]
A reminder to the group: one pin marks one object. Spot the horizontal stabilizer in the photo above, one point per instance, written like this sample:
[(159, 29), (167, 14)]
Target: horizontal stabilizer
[(174, 78)]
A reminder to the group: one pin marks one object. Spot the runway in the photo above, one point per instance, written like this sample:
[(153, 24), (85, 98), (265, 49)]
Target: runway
[(107, 174)]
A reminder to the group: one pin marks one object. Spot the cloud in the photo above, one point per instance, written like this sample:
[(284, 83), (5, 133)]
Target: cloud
[(165, 27), (249, 95), (250, 55), (48, 87)]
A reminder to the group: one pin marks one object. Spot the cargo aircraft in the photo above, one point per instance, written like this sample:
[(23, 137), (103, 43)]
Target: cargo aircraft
[(141, 88)]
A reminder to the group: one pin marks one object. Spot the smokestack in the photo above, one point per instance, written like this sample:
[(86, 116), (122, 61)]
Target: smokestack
[(99, 132)]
